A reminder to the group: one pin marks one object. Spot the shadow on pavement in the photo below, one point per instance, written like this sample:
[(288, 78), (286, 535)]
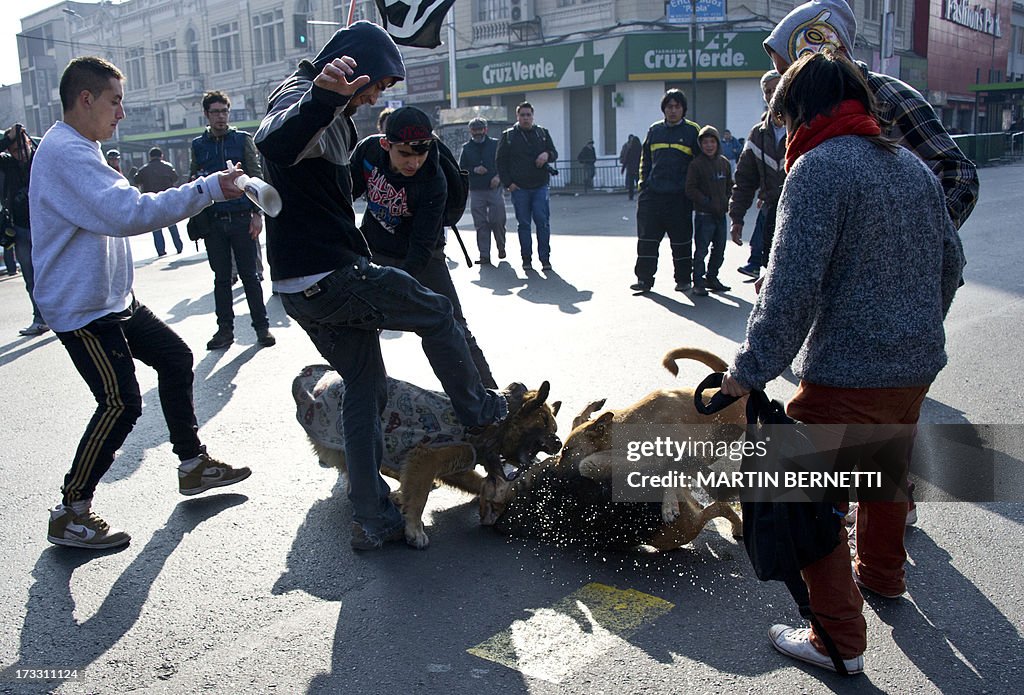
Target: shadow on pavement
[(551, 288), (950, 630), (24, 345), (50, 612), (422, 610)]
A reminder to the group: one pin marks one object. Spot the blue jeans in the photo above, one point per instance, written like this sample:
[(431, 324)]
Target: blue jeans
[(708, 230), (23, 250), (757, 242), (533, 204), (158, 240), (231, 238), (342, 314)]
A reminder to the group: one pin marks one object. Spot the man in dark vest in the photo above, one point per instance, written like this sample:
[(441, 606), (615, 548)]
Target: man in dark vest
[(236, 223)]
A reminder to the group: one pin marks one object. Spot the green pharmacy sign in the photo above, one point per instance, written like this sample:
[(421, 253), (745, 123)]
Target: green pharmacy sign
[(613, 60)]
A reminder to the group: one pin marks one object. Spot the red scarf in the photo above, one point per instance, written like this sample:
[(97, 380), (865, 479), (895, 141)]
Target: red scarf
[(849, 118)]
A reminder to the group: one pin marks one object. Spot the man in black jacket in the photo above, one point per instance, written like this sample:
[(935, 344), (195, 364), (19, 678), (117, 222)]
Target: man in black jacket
[(525, 161), (319, 264), (487, 202), (662, 206), (16, 152), (158, 175)]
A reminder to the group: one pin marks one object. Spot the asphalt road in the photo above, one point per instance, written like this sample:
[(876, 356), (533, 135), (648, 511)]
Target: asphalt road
[(256, 589)]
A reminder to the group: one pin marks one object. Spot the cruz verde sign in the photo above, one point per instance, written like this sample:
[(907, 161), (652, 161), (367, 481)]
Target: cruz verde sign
[(661, 56)]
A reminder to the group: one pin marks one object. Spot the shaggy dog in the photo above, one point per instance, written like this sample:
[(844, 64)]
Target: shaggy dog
[(423, 439), (567, 499)]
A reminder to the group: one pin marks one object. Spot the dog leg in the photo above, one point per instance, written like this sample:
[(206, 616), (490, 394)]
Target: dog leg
[(422, 466), (600, 464), (467, 481), (670, 504), (727, 512)]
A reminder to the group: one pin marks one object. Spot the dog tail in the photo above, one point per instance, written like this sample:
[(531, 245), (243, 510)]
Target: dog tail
[(688, 353)]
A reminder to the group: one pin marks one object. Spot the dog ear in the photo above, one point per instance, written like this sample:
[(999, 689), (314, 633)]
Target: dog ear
[(537, 399), (605, 419), (555, 406), (587, 411), (543, 392)]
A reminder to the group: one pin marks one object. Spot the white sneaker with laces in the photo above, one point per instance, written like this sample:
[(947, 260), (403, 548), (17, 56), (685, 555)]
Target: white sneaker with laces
[(795, 642)]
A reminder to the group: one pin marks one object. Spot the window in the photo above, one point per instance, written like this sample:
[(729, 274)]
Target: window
[(192, 41), (136, 67), (900, 8), (166, 55), (268, 37), (873, 9), (1017, 45), (226, 47), (491, 10)]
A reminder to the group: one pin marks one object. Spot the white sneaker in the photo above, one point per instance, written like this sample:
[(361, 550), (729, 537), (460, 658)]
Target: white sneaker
[(795, 642), (37, 328)]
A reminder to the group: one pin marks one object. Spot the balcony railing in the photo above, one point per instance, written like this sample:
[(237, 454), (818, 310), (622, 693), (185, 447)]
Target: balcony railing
[(490, 32)]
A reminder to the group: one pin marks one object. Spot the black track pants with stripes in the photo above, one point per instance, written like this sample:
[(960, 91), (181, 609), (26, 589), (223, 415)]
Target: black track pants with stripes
[(104, 352), (658, 214)]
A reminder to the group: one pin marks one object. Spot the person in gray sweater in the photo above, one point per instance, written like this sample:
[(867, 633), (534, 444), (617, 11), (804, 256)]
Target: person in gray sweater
[(863, 268), (83, 212)]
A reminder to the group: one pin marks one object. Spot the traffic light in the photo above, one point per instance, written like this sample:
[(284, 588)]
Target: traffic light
[(301, 27)]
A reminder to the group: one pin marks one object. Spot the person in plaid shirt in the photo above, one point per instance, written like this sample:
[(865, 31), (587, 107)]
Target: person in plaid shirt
[(903, 112)]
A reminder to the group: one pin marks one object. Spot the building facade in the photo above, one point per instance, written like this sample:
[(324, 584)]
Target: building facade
[(593, 69)]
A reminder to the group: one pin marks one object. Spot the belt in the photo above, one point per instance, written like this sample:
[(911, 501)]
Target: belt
[(313, 290), (232, 215)]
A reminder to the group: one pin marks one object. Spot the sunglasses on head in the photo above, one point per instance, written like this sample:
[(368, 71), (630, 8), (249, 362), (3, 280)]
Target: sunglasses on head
[(418, 146)]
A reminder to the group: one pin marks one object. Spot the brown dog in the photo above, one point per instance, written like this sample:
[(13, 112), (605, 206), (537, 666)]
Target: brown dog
[(584, 469), (422, 438)]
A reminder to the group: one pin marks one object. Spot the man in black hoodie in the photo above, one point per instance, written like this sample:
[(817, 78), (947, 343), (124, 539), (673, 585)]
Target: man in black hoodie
[(319, 264), (406, 193)]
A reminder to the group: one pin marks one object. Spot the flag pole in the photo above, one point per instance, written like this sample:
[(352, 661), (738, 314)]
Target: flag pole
[(351, 12)]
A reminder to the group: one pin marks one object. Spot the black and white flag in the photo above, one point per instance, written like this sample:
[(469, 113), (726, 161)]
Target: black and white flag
[(414, 22)]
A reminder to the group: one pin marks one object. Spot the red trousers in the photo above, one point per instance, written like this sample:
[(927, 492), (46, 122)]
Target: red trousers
[(835, 598)]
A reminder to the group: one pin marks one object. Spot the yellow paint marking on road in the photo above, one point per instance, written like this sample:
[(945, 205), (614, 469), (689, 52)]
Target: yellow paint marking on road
[(553, 642)]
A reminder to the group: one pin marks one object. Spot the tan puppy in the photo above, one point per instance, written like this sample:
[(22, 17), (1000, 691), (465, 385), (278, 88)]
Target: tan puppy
[(592, 452)]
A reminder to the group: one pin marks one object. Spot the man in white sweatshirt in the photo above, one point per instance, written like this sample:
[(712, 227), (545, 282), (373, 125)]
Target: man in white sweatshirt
[(82, 215)]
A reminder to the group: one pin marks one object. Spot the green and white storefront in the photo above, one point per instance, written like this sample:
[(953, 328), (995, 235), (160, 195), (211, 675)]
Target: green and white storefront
[(606, 88)]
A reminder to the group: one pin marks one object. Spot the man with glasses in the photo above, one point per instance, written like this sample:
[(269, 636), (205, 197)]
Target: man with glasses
[(236, 224), (319, 263)]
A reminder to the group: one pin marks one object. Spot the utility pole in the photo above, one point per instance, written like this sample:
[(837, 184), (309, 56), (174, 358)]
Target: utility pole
[(693, 57)]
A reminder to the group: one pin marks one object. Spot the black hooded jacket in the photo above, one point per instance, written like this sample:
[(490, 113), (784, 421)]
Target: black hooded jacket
[(305, 140)]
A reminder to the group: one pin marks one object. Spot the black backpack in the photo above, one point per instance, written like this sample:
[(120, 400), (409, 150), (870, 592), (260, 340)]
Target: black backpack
[(458, 185), (781, 538), (458, 191)]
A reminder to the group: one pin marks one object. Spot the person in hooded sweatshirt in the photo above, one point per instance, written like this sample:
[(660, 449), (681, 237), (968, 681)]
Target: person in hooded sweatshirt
[(320, 267), (708, 182), (406, 191), (904, 114)]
